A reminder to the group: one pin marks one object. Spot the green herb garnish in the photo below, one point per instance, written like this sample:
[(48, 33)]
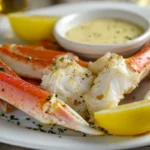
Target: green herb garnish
[(12, 117), (128, 38), (60, 130), (61, 59), (33, 122), (28, 119), (18, 123), (42, 130), (54, 63), (86, 75), (48, 98), (3, 115), (35, 129), (39, 125), (28, 58), (2, 69)]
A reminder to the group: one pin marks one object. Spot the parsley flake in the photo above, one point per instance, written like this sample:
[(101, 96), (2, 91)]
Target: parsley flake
[(28, 58), (48, 98), (128, 38), (28, 119), (54, 63), (61, 59), (18, 123), (2, 69), (87, 75)]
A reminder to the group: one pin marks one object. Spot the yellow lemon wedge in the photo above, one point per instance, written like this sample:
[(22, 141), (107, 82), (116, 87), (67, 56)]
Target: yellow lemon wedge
[(33, 28), (128, 119)]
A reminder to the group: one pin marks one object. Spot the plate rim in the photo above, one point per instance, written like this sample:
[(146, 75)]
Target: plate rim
[(128, 143)]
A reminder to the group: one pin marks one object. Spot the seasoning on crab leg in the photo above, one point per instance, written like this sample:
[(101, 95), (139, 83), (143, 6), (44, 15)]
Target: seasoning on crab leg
[(41, 104), (44, 54), (4, 105), (117, 76)]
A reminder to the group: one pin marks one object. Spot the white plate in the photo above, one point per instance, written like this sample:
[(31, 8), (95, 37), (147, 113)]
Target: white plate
[(21, 136)]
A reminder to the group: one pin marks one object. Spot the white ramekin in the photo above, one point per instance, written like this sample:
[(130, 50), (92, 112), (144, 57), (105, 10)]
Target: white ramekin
[(92, 51)]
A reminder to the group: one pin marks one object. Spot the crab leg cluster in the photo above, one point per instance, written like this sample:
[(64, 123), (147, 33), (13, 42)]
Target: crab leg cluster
[(67, 82), (38, 103)]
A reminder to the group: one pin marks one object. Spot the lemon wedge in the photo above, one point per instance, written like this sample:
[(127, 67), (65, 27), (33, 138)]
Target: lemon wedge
[(128, 119), (33, 28)]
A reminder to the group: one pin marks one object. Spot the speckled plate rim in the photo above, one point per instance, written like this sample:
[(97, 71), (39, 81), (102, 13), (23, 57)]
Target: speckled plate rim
[(12, 134)]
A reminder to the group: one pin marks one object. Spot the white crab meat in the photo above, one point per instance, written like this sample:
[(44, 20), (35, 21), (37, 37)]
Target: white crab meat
[(70, 82), (114, 80), (98, 65)]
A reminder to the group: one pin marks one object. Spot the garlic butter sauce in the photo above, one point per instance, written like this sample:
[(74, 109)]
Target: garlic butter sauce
[(105, 31)]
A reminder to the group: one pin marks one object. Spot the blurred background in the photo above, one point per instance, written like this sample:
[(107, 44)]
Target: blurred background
[(8, 6)]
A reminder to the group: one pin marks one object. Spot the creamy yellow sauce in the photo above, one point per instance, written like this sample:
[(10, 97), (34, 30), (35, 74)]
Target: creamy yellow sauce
[(104, 31)]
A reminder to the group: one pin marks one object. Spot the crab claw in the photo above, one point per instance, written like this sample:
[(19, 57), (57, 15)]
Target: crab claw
[(66, 116), (41, 104)]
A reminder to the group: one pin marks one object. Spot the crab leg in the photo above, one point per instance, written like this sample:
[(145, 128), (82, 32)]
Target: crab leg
[(31, 63), (5, 106), (23, 65), (140, 62), (45, 54), (116, 76), (33, 52), (40, 104), (45, 44)]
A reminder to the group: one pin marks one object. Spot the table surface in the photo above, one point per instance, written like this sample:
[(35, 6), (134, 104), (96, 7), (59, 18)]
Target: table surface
[(9, 147)]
